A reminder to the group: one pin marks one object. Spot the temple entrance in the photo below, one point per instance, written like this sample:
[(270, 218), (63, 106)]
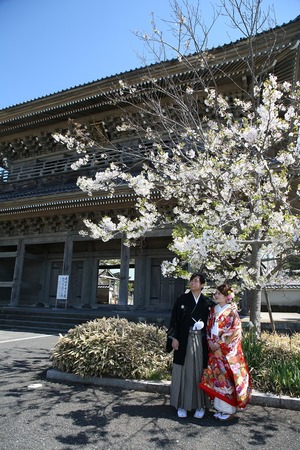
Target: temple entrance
[(108, 285), (75, 283)]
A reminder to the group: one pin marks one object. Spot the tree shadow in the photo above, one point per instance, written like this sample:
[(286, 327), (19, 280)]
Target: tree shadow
[(91, 414)]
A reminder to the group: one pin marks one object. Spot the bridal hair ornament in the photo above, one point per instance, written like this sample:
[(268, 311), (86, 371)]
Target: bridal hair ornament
[(230, 295)]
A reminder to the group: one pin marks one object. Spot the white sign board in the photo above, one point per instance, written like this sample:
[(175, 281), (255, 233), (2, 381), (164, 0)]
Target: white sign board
[(62, 287)]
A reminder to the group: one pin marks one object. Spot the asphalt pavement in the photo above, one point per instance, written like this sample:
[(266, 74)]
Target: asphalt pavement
[(39, 413)]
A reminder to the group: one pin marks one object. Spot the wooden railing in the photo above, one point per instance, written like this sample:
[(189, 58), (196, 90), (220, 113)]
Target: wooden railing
[(20, 171)]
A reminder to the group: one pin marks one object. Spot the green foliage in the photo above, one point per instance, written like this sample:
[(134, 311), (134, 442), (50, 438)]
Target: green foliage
[(113, 347), (274, 362)]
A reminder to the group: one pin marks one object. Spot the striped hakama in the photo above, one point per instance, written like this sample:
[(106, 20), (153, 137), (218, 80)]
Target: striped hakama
[(184, 390)]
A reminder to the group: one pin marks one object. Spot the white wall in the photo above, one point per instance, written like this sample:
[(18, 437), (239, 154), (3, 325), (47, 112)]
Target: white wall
[(283, 297)]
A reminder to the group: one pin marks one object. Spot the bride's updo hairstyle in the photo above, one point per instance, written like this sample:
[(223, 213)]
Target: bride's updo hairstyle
[(226, 290)]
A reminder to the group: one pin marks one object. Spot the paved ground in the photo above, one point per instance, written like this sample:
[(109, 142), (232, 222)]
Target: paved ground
[(284, 321), (40, 414)]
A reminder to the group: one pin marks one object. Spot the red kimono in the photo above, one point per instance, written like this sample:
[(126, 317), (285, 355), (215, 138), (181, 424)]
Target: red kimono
[(227, 376)]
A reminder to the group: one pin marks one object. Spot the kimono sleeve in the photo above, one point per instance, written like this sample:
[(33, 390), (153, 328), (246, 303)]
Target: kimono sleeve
[(173, 327)]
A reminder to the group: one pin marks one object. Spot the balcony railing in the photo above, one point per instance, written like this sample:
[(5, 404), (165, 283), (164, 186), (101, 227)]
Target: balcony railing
[(20, 171)]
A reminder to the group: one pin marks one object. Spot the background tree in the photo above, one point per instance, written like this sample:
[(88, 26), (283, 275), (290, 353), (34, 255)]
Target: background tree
[(228, 166)]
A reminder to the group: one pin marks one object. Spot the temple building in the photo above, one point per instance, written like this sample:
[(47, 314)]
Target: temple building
[(42, 209)]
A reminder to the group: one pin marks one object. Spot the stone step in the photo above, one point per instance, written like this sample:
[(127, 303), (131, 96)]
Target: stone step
[(14, 323), (61, 320), (57, 321)]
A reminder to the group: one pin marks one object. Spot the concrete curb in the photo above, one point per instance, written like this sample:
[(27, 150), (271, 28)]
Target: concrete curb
[(163, 387)]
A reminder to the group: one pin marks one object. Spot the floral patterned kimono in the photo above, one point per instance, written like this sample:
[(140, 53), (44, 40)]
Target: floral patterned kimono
[(227, 376)]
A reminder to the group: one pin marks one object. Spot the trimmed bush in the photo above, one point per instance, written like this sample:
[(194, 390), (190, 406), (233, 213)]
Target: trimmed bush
[(274, 362), (113, 347)]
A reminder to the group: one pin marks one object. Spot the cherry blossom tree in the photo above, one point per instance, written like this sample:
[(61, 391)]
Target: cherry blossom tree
[(223, 173)]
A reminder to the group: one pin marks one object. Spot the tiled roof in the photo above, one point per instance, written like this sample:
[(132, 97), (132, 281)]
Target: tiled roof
[(21, 193), (283, 286)]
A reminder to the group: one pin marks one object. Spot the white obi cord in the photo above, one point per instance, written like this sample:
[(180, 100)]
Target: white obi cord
[(198, 325)]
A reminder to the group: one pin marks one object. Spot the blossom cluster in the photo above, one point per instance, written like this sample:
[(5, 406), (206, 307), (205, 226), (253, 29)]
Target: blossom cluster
[(231, 183)]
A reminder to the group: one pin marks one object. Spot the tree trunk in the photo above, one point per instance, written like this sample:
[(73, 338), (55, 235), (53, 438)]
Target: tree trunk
[(124, 275), (255, 294), (255, 309)]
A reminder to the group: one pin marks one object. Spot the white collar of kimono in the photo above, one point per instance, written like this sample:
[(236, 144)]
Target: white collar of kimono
[(219, 308), (196, 298)]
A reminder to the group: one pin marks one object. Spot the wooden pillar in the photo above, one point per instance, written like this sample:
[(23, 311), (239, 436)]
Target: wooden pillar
[(124, 275), (68, 255), (90, 281), (18, 270), (141, 281)]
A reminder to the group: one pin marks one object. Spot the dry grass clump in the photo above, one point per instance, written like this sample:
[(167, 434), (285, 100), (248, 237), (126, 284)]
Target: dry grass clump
[(274, 362), (113, 347)]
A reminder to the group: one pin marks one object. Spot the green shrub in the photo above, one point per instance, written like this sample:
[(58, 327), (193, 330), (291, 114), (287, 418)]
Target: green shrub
[(113, 347), (274, 362)]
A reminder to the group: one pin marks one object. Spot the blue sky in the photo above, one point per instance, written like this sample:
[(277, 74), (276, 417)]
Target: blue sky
[(51, 45)]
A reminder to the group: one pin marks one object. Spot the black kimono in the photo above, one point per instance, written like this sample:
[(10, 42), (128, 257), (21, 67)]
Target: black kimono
[(185, 313)]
